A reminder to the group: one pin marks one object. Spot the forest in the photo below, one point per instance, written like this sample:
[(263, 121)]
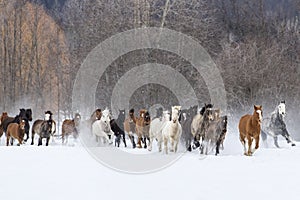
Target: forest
[(254, 44)]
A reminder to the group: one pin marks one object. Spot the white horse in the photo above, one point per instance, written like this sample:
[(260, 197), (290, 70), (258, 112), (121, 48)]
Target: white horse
[(101, 128), (172, 130), (275, 126), (155, 131)]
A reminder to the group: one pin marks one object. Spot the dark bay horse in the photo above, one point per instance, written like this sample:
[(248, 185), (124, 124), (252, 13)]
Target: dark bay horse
[(43, 128), (130, 126), (3, 117), (249, 128), (186, 121), (143, 127)]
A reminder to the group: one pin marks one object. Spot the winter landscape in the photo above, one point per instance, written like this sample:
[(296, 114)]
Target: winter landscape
[(84, 76)]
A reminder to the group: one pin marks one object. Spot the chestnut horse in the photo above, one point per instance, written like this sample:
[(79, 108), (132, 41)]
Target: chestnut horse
[(70, 127), (130, 126), (15, 131), (143, 127), (4, 116), (249, 127)]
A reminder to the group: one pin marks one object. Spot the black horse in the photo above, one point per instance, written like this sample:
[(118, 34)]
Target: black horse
[(117, 126), (186, 121), (43, 128), (25, 115)]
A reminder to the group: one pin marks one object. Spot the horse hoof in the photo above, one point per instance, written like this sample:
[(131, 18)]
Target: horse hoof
[(293, 145), (189, 149)]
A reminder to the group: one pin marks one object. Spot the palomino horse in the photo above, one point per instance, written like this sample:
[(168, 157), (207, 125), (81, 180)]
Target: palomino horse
[(15, 131), (70, 127), (101, 128), (130, 126), (43, 128), (143, 127), (275, 126), (249, 127), (25, 115), (172, 130), (156, 127)]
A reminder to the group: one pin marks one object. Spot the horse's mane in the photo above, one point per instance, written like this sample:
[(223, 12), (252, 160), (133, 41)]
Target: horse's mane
[(203, 109)]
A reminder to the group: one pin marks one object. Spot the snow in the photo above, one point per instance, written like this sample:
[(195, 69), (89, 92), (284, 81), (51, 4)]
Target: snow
[(71, 172)]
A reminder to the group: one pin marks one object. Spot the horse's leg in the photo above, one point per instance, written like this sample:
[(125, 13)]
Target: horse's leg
[(124, 140), (159, 143), (40, 141), (11, 141), (139, 142), (256, 143), (166, 144), (7, 140), (218, 146), (288, 138), (176, 145), (172, 144), (32, 137), (150, 143), (47, 140), (276, 141), (249, 152)]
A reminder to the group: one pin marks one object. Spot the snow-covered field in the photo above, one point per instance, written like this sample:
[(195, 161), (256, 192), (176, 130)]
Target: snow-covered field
[(70, 172)]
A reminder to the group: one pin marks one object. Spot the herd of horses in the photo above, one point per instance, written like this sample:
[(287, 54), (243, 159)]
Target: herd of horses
[(203, 129)]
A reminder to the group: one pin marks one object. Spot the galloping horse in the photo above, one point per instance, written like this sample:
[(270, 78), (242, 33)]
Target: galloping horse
[(275, 126), (3, 117), (101, 128), (143, 127), (249, 127), (187, 118), (197, 126), (156, 127), (130, 126), (70, 127), (25, 115), (171, 132), (15, 131), (43, 128)]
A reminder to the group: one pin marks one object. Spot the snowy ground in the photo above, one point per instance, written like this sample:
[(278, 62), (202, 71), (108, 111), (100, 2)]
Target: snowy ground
[(70, 172)]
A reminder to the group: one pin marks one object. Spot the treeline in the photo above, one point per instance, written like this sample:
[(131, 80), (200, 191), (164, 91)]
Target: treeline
[(255, 44)]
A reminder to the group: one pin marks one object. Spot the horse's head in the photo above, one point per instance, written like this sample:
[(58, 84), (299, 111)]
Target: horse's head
[(166, 115), (281, 108), (77, 119), (3, 117), (48, 115), (97, 114), (147, 118), (22, 124), (28, 114), (106, 116), (176, 110), (258, 113), (206, 106)]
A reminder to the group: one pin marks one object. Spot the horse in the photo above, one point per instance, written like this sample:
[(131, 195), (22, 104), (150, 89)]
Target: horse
[(130, 126), (43, 128), (101, 128), (15, 131), (70, 127), (143, 127), (197, 127), (249, 128), (48, 116), (275, 126), (119, 132), (215, 132), (23, 115), (4, 116), (172, 130), (156, 127), (187, 118)]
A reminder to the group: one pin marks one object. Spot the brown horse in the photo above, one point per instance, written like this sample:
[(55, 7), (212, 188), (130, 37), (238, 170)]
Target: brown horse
[(70, 127), (249, 128), (130, 126), (143, 127), (15, 131), (4, 116)]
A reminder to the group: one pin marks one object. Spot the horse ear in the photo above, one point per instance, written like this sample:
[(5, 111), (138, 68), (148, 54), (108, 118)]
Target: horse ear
[(255, 107), (283, 101)]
